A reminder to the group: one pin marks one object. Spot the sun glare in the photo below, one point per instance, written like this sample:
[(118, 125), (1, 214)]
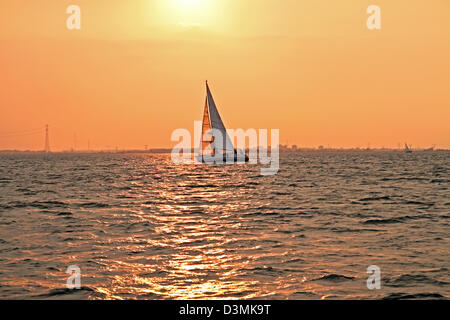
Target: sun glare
[(211, 15), (191, 12), (190, 4)]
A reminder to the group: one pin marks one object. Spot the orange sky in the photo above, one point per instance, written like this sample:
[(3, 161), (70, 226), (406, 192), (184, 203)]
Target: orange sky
[(136, 70)]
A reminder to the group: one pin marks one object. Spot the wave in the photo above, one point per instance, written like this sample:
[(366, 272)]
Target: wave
[(419, 203), (64, 213), (264, 270), (397, 296), (34, 204), (406, 280), (93, 205), (392, 220), (375, 198), (334, 278), (68, 294), (343, 230), (383, 221)]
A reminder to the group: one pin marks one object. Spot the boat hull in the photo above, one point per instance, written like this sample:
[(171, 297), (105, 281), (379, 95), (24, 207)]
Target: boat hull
[(225, 160)]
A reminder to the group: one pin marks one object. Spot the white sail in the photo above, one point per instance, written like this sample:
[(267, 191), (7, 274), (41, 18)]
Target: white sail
[(212, 121), (407, 148)]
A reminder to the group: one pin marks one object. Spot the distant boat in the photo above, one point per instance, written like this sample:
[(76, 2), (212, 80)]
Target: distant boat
[(208, 145), (407, 148)]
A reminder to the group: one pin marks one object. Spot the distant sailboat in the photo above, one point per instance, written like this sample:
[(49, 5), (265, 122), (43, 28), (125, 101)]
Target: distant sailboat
[(407, 148), (208, 144)]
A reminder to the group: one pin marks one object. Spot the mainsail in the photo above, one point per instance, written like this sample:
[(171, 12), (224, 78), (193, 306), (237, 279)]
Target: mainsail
[(407, 148), (212, 120), (207, 139)]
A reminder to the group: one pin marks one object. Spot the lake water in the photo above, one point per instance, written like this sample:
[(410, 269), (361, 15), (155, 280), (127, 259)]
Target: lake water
[(140, 227)]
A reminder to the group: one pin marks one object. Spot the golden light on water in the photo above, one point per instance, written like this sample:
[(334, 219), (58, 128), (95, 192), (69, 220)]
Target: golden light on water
[(195, 258), (182, 274), (191, 232)]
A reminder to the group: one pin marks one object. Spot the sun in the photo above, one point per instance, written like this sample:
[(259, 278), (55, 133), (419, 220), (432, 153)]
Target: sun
[(190, 5), (192, 12), (201, 14)]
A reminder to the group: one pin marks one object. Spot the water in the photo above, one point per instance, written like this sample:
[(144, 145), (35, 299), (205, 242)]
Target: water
[(140, 227)]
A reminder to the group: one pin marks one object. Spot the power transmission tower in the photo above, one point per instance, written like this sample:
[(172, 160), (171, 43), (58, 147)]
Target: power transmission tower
[(47, 144)]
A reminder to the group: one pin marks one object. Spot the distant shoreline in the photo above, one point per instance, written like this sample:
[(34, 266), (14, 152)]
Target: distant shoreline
[(167, 151)]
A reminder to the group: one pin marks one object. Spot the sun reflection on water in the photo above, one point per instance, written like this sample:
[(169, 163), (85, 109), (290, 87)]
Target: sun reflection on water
[(194, 257), (140, 227)]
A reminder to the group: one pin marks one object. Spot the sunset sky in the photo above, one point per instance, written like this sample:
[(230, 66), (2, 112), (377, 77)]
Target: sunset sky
[(136, 71)]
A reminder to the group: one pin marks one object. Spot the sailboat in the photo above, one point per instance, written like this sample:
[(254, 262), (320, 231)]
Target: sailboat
[(407, 148), (209, 146)]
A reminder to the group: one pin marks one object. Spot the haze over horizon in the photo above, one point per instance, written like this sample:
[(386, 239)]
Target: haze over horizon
[(136, 70)]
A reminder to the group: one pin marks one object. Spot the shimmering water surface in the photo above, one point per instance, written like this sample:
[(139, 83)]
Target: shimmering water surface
[(141, 227)]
